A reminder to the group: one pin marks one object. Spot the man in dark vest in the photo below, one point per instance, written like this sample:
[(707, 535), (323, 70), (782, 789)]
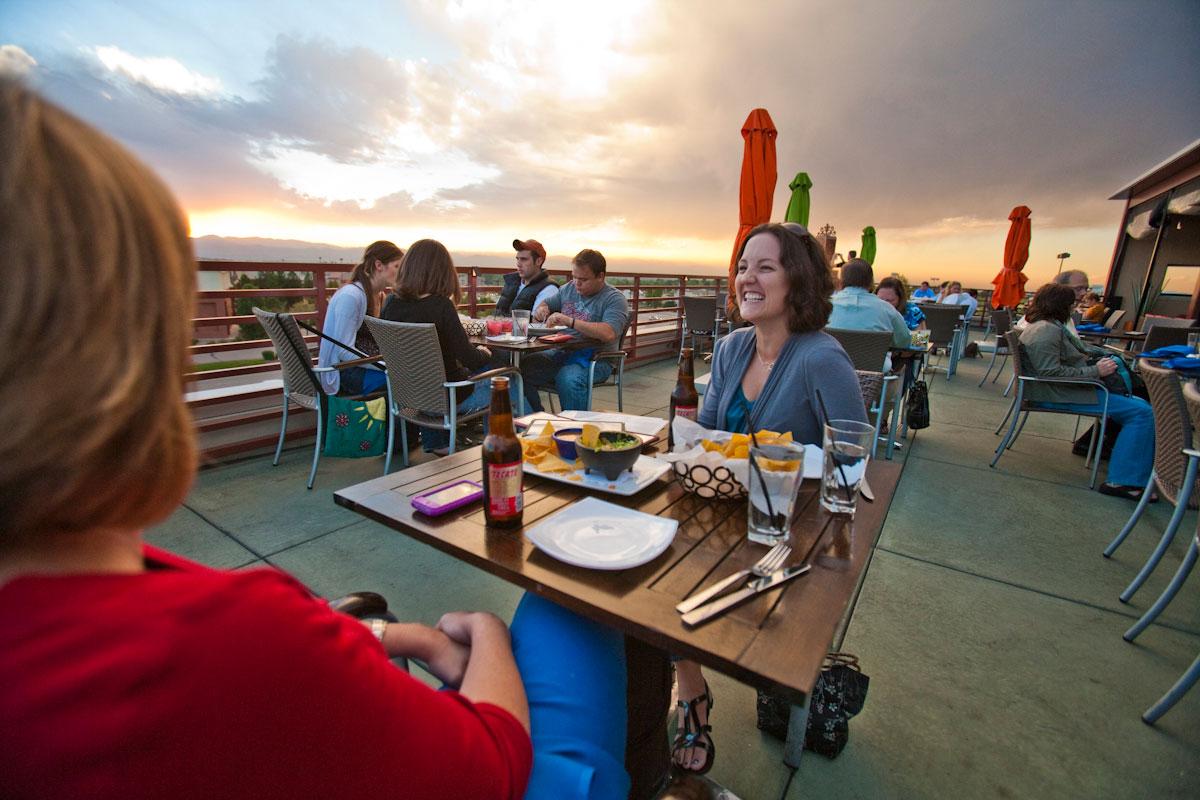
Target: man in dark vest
[(530, 285)]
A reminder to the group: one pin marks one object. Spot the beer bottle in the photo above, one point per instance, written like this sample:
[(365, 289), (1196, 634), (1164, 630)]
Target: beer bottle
[(503, 495), (685, 400)]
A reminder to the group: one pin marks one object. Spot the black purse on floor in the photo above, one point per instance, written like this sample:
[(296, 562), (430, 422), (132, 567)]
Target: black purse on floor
[(916, 410), (839, 694)]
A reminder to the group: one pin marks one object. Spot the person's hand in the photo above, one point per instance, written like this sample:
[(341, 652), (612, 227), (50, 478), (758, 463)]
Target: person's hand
[(1106, 367), (461, 626), (541, 312), (485, 350), (447, 658), (559, 319)]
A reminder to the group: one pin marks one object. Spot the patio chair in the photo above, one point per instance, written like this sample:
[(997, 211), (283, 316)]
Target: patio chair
[(1174, 473), (871, 384), (1114, 318), (868, 352), (1002, 319), (1021, 405), (700, 321), (300, 382), (945, 329), (1191, 675), (417, 389), (1163, 335), (617, 376)]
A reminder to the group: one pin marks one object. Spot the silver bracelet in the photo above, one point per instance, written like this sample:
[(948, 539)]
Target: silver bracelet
[(378, 627)]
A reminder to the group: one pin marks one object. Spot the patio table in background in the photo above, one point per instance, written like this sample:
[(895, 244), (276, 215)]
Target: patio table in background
[(1128, 337), (776, 641), (532, 345)]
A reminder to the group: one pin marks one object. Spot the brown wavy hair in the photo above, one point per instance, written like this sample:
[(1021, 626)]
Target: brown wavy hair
[(810, 280), (427, 268), (897, 286), (96, 320), (1053, 302)]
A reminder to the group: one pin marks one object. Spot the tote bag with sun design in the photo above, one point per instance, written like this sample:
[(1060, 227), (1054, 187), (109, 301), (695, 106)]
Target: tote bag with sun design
[(355, 428)]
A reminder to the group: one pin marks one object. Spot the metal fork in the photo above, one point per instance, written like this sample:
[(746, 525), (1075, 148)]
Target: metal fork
[(763, 567)]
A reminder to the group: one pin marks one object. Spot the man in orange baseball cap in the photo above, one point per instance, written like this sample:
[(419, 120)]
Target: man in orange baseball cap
[(530, 285)]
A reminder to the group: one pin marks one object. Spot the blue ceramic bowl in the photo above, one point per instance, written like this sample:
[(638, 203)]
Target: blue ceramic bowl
[(565, 440)]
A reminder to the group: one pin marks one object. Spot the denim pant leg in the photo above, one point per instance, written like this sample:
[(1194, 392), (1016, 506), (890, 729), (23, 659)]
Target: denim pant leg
[(479, 399), (1133, 453), (572, 383), (540, 369), (574, 676)]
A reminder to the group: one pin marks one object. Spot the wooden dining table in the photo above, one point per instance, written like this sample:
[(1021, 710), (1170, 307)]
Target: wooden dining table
[(519, 347), (776, 641)]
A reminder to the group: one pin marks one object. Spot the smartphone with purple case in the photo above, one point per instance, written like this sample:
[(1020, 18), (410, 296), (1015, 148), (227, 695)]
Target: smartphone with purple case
[(447, 498)]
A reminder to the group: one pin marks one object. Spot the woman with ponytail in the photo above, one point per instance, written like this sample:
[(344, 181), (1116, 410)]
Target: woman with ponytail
[(347, 308)]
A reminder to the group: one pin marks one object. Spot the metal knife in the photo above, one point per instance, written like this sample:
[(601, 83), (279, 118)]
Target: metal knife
[(864, 489), (707, 612), (699, 599)]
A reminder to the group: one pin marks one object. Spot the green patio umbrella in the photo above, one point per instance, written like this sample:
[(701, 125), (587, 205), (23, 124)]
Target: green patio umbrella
[(867, 253), (798, 205)]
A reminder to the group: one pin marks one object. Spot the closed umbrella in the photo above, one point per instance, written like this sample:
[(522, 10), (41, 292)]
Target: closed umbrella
[(867, 253), (757, 189), (800, 201), (1010, 282)]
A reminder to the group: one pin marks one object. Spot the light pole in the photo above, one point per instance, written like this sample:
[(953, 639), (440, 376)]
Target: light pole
[(1061, 258)]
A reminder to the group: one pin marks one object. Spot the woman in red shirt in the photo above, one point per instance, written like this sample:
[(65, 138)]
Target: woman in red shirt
[(128, 672)]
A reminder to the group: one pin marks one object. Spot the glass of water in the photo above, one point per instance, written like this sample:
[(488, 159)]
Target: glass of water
[(847, 448), (775, 474), (520, 323)]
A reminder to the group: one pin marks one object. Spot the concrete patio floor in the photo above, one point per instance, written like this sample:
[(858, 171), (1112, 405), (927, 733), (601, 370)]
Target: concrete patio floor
[(988, 621)]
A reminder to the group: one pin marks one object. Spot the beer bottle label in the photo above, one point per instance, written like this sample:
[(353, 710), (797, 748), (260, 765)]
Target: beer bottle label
[(687, 412), (504, 489)]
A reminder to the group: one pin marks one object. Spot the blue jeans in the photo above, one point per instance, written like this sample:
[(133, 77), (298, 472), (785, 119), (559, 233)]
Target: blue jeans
[(479, 399), (360, 380), (567, 371), (574, 675), (1133, 453)]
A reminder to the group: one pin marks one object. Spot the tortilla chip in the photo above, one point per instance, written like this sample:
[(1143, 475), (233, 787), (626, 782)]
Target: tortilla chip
[(590, 437)]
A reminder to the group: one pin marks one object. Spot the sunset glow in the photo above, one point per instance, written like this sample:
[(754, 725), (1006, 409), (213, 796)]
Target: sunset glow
[(617, 125)]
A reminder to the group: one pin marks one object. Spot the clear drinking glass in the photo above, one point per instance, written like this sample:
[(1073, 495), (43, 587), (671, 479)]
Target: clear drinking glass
[(775, 475), (1194, 340), (847, 448), (520, 323)]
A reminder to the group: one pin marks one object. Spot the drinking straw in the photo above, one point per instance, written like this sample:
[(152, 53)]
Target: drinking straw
[(754, 464), (824, 423)]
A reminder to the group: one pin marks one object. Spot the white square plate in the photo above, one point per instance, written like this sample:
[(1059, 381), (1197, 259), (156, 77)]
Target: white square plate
[(600, 535)]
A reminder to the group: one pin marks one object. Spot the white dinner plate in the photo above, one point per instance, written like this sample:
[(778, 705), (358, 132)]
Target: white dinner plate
[(507, 338), (600, 535), (543, 330)]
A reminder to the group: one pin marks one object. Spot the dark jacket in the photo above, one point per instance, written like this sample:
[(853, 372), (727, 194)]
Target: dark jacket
[(513, 298), (1051, 351), (460, 357)]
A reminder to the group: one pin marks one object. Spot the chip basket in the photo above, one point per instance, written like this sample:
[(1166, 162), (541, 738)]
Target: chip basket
[(474, 327), (710, 482)]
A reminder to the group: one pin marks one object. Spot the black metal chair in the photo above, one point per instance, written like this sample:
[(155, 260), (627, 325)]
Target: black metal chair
[(1002, 320), (701, 321)]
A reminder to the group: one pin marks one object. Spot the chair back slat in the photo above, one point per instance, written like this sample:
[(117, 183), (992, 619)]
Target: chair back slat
[(871, 384), (1001, 321), (292, 352), (1114, 318), (1163, 335), (414, 364), (867, 349), (942, 319), (1020, 363), (701, 313), (1173, 429)]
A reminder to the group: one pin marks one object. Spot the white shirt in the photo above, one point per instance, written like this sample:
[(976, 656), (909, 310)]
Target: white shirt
[(962, 299)]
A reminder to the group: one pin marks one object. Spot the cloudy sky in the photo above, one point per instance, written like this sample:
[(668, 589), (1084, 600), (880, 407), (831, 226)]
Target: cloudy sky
[(616, 125)]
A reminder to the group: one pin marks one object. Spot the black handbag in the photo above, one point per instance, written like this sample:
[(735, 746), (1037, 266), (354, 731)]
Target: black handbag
[(916, 410), (839, 694)]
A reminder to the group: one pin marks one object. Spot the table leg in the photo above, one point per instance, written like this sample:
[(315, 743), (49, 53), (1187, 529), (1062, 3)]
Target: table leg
[(648, 700), (793, 748), (516, 362)]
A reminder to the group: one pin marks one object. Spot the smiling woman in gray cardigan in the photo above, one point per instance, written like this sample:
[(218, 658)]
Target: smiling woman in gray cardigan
[(767, 376)]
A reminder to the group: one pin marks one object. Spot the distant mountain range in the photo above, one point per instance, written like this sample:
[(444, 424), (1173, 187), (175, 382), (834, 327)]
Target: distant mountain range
[(222, 248)]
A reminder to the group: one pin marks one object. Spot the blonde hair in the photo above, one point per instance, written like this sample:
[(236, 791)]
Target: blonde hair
[(95, 318)]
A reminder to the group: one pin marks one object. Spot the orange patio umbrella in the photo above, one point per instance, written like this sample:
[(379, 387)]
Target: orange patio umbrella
[(757, 190), (1010, 283)]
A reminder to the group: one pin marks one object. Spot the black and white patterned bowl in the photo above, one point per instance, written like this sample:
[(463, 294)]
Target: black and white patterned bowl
[(709, 482)]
